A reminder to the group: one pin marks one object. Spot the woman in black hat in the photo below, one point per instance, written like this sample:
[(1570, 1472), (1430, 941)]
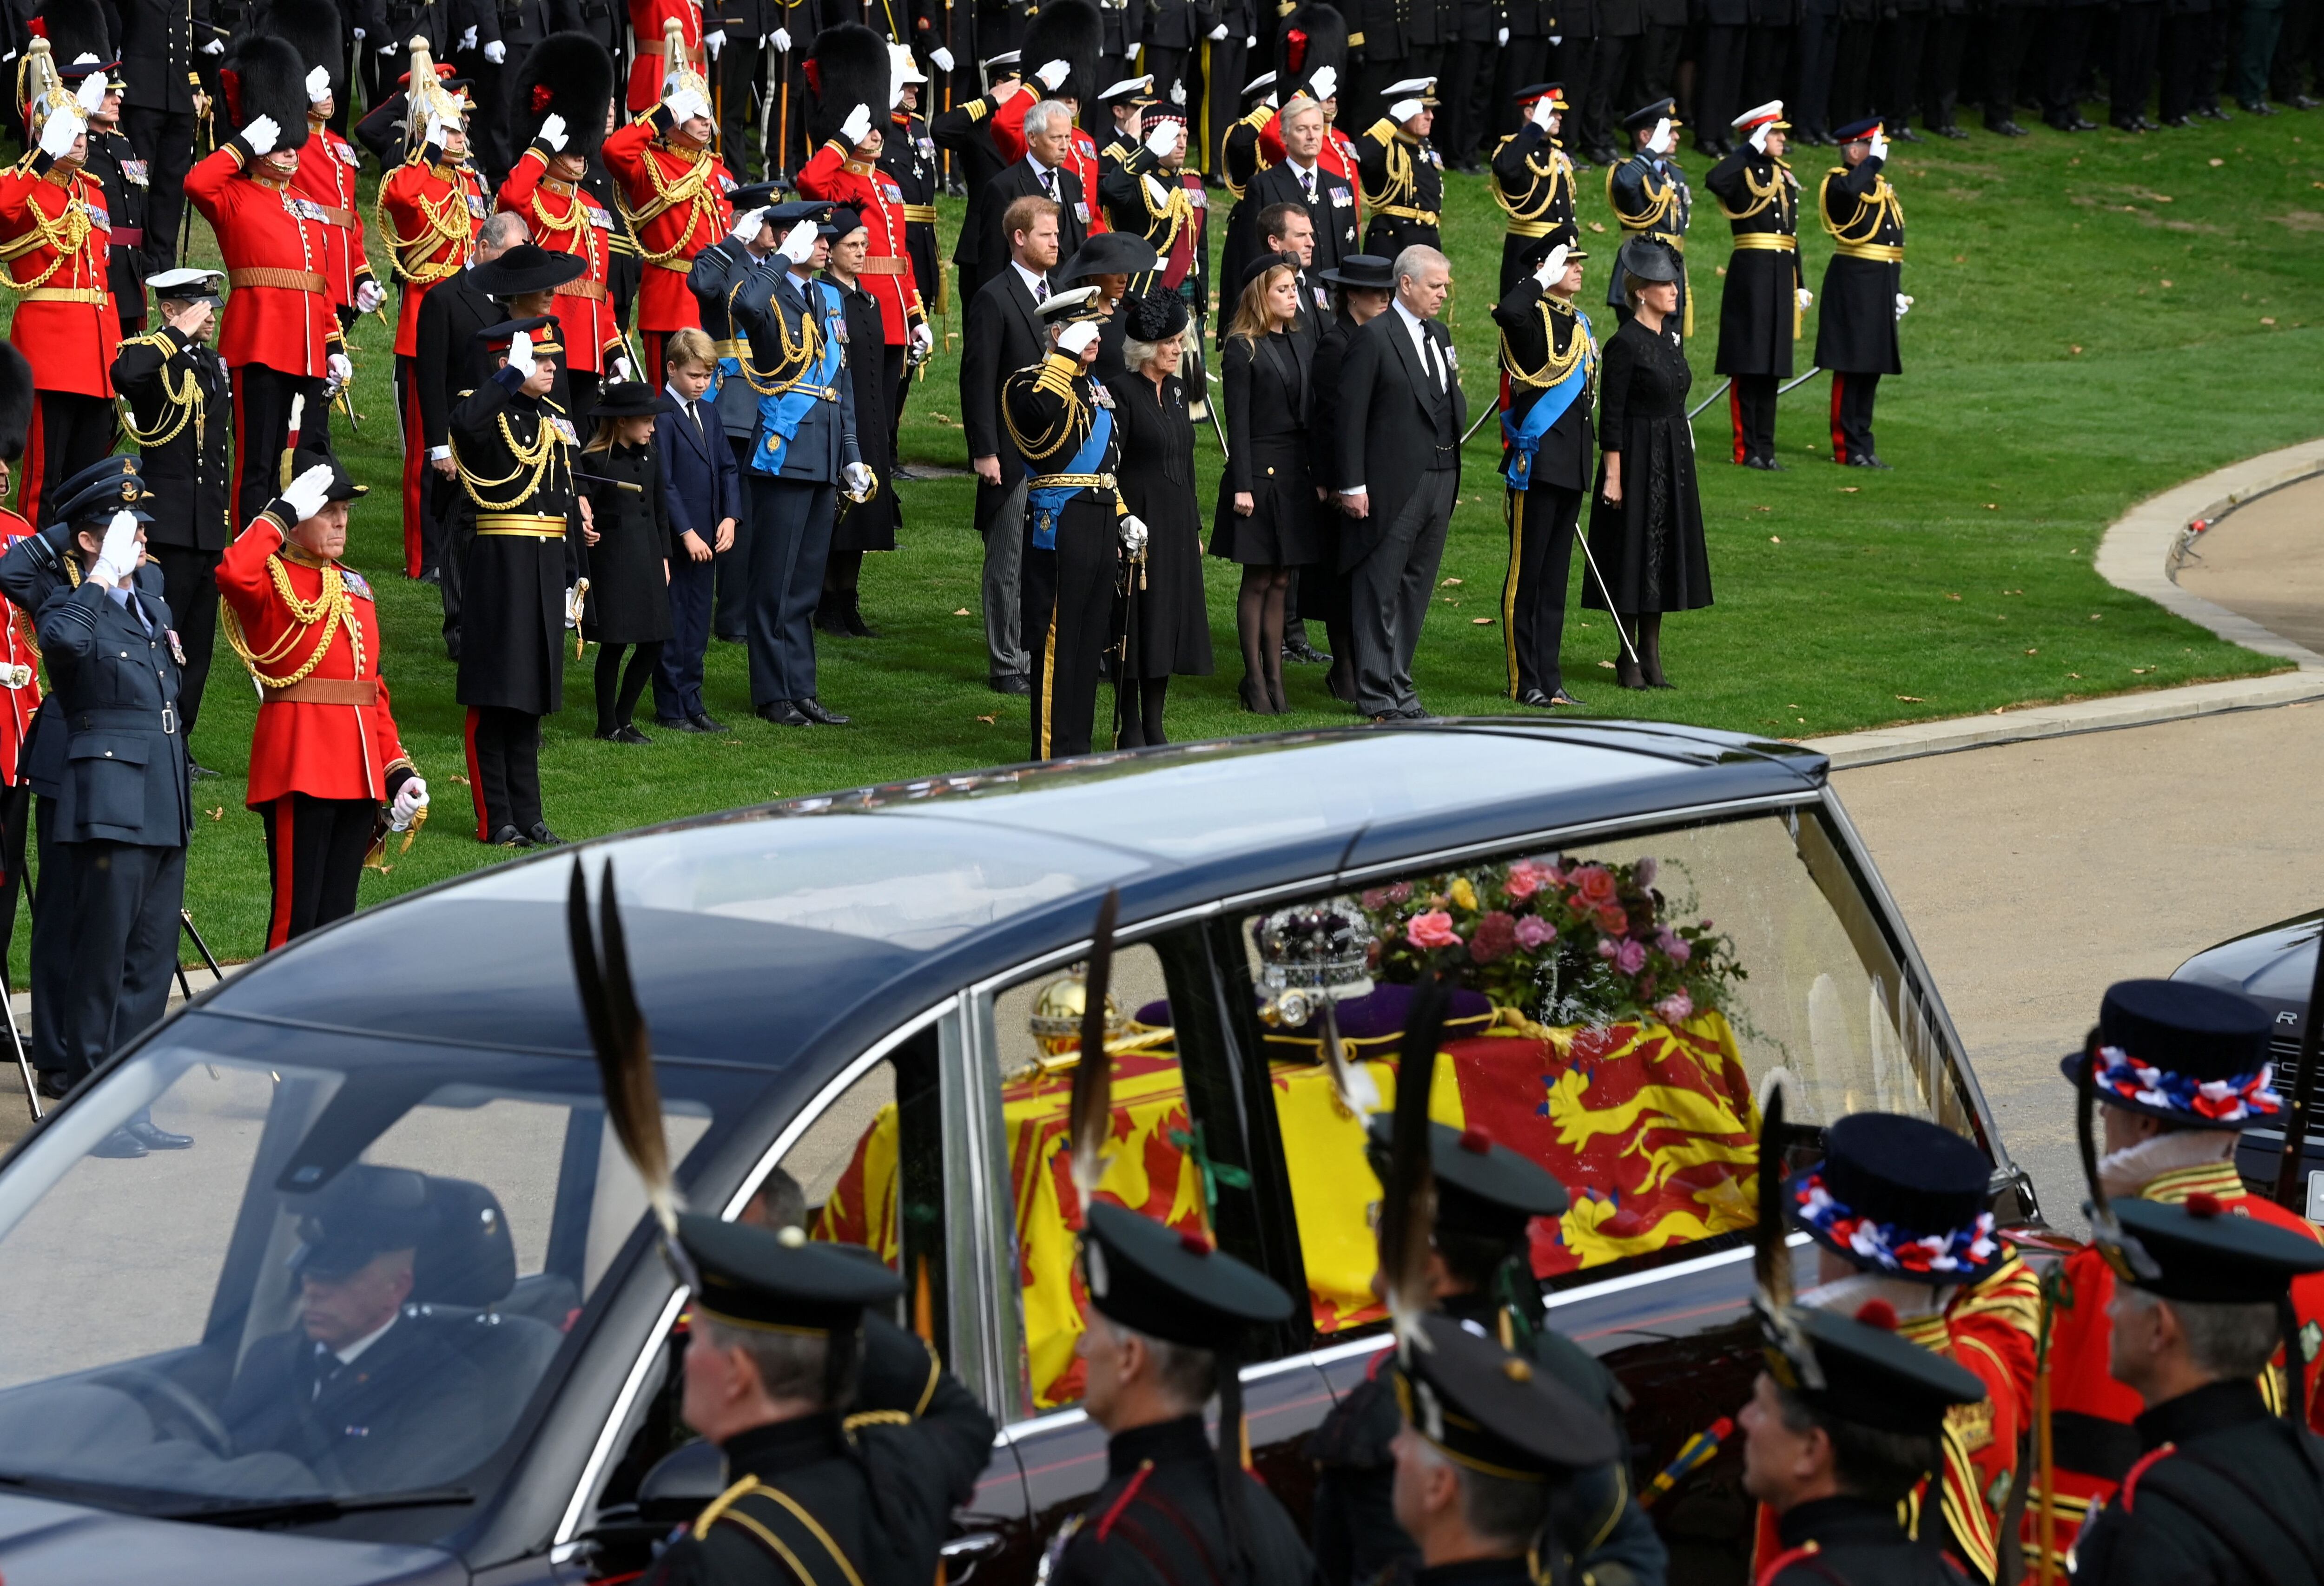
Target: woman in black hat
[(1169, 624), (1645, 529), (869, 524), (630, 545), (1267, 502)]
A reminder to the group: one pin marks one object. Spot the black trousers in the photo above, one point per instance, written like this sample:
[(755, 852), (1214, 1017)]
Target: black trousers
[(189, 584), (167, 141), (2061, 78), (1766, 58), (503, 769), (737, 68), (1818, 54), (1462, 123), (1224, 68), (1068, 617), (2005, 59), (1655, 65), (1751, 411), (1519, 63), (2185, 40), (1170, 68), (261, 423), (1609, 65), (1940, 69), (314, 850), (1852, 415), (1897, 47), (791, 524), (124, 947), (2137, 30), (730, 616), (52, 926), (69, 432), (1388, 592), (1719, 81), (15, 823), (1533, 593), (1851, 70)]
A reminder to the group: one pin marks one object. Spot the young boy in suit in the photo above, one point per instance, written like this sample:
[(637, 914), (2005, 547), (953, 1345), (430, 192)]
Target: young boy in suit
[(705, 498)]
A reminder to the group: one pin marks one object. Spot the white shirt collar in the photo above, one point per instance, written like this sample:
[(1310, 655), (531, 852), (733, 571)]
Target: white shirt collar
[(1035, 281), (348, 1355), (1039, 169), (674, 394), (1417, 329)]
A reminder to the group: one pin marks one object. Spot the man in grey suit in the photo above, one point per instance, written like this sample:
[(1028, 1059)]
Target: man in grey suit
[(1398, 467), (802, 451)]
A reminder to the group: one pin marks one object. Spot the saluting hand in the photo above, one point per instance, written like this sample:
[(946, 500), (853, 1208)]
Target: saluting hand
[(798, 242), (1164, 140), (1052, 73), (1324, 84), (59, 132), (305, 494), (858, 124), (552, 133)]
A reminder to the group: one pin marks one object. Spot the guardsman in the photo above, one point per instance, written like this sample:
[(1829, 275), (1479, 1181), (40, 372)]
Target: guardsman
[(326, 754), (180, 415), (1404, 175), (518, 578), (432, 206), (1845, 1422), (281, 337), (1863, 288), (908, 153), (562, 99), (1167, 1313), (2224, 1490), (1650, 196), (675, 191), (779, 1346), (53, 237), (1149, 193), (1532, 180), (1765, 291), (1548, 448), (658, 57), (1062, 44), (2176, 1071), (1901, 1210), (118, 163), (20, 658), (329, 165), (1061, 418)]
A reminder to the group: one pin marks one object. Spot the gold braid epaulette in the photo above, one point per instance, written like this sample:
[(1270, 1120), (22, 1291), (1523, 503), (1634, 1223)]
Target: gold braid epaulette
[(1761, 196), (1557, 365), (186, 400), (1538, 199), (1054, 375), (65, 235), (689, 190), (1659, 205), (1869, 212)]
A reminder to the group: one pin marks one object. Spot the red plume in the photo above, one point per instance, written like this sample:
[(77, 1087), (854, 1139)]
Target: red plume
[(230, 90), (38, 27), (2203, 1203), (543, 96), (810, 70), (1877, 1314), (1297, 49)]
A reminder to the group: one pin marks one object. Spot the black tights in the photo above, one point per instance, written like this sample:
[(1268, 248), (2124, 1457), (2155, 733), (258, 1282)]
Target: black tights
[(613, 712), (1139, 725), (1259, 626), (1646, 631)]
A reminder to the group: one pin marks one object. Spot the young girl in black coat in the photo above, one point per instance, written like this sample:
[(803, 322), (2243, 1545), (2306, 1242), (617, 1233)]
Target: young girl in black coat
[(629, 544)]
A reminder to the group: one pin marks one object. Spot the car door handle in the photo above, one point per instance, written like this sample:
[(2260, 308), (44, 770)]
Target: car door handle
[(970, 1550)]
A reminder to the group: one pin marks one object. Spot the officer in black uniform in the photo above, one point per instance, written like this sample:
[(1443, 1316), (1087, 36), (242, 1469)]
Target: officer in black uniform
[(820, 1498), (181, 417), (1167, 1314), (1533, 179), (161, 41), (2226, 1494), (908, 153), (121, 166), (1487, 1197), (1125, 102), (1764, 293), (1649, 195), (1863, 296), (1402, 173), (1843, 1425)]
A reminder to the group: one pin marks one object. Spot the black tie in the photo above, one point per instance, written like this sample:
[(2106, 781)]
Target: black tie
[(1041, 289), (1049, 183), (694, 411), (1307, 184)]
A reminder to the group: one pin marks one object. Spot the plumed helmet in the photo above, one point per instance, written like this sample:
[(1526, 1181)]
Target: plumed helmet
[(847, 67), (312, 28), (79, 41), (1066, 31), (568, 75), (1312, 37), (15, 401), (270, 79)]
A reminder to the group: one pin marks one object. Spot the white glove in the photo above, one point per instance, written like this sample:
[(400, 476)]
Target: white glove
[(1759, 137), (1904, 305), (1545, 111), (552, 133), (620, 368), (798, 242), (1404, 110), (467, 41), (341, 368), (497, 51), (941, 58), (714, 42), (1324, 84), (90, 95), (1662, 143), (118, 556), (1250, 41), (1077, 336), (1503, 39), (359, 35), (410, 800), (434, 134), (318, 84), (520, 354), (260, 135), (783, 40), (369, 296), (924, 336), (572, 607), (218, 47), (1181, 87), (1134, 535), (857, 127), (388, 49), (1552, 268), (1218, 32), (860, 477), (1804, 297), (305, 494), (685, 104), (59, 131), (747, 224), (1052, 73), (1879, 146), (1163, 141)]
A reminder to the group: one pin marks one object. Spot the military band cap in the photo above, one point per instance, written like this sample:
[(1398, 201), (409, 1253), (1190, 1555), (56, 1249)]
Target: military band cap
[(343, 486), (186, 285), (1771, 114), (498, 337), (109, 486), (773, 1281), (1494, 1412), (2181, 1050), (2199, 1251), (1862, 1370), (1005, 57), (1177, 1287), (1647, 260), (84, 65), (1111, 253), (1067, 307), (527, 267), (1409, 88), (1482, 1186), (1856, 132), (1539, 248), (1127, 86), (1643, 119), (784, 216), (1899, 1197), (1258, 85), (363, 1213), (1533, 92), (1365, 271)]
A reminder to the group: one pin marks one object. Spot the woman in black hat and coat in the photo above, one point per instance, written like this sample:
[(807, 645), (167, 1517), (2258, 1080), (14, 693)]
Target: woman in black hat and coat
[(865, 525), (1645, 528), (627, 607), (1266, 517), (1170, 626)]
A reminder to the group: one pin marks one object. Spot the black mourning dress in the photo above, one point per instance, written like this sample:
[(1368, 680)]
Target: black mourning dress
[(1171, 626), (1650, 548)]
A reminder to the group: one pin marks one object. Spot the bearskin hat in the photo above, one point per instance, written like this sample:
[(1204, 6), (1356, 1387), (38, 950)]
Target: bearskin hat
[(270, 79), (15, 401), (75, 28), (1066, 31), (570, 75), (847, 67), (1313, 36), (312, 28)]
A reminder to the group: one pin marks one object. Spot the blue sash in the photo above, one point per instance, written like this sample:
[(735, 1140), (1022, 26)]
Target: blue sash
[(1525, 439), (1045, 505), (782, 412)]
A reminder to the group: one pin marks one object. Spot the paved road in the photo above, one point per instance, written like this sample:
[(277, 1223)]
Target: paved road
[(2266, 561), (2033, 874)]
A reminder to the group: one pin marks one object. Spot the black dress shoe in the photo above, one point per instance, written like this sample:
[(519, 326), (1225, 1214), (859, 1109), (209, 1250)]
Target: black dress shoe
[(627, 732), (2303, 102), (730, 638), (2082, 122), (507, 836), (1559, 697), (1417, 712), (2256, 107), (2213, 113), (705, 722), (1302, 651), (813, 710), (1765, 465), (782, 713), (1950, 131), (154, 1138), (119, 1143), (675, 725), (1905, 134), (2176, 121), (1535, 696), (1015, 683), (52, 1085), (832, 623), (2006, 129), (542, 837), (1866, 460), (2148, 123), (2128, 124), (195, 770)]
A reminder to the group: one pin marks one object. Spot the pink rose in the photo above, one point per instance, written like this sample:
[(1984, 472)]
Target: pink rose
[(1535, 932), (1495, 935), (1629, 956), (1523, 882), (1593, 884), (1433, 928), (1607, 947), (1614, 919), (1676, 1009), (1674, 946)]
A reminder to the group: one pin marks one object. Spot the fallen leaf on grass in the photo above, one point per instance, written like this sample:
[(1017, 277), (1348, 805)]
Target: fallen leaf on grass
[(1450, 584), (463, 781), (1775, 539), (2034, 652), (962, 612), (1953, 597), (1993, 506), (941, 417), (2073, 674), (1601, 230), (1762, 509), (1912, 700), (2140, 671), (2216, 163), (2075, 348), (1607, 664), (2094, 616), (1849, 489), (218, 814), (988, 721), (2167, 283), (1961, 258), (2267, 319), (1480, 622)]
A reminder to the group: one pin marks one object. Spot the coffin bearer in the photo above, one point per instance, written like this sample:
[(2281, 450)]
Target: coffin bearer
[(564, 91), (329, 163), (1863, 300), (1760, 306), (1649, 195), (182, 419), (1533, 179), (1403, 174), (326, 754)]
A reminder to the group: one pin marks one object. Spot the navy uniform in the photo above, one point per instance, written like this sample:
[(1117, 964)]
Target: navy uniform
[(1650, 196), (1856, 331), (1548, 452), (1533, 182), (1759, 306), (1487, 1197), (1174, 1510), (716, 275), (1403, 176), (825, 1499), (2226, 1493)]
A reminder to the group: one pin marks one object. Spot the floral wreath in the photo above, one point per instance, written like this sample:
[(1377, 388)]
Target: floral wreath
[(1961, 1252), (2221, 1100)]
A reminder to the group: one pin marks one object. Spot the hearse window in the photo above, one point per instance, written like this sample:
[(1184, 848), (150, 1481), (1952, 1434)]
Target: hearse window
[(1621, 1007)]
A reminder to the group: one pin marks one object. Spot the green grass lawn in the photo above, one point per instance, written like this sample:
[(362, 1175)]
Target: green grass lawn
[(2097, 317)]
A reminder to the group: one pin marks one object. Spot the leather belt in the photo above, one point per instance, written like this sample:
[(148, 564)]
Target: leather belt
[(127, 237), (1070, 482), (130, 721), (582, 288), (885, 266), (1880, 253), (1406, 212), (294, 281), (524, 525), (66, 294), (693, 52), (345, 219), (920, 214), (325, 691), (1769, 242)]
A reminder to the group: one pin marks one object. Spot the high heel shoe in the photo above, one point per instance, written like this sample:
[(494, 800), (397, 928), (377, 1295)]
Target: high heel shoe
[(1255, 697), (1627, 673)]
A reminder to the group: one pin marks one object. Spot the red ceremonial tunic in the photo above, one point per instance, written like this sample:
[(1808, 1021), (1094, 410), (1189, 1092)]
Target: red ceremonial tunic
[(328, 168), (677, 204), (17, 648), (334, 749), (648, 69), (1008, 136), (2092, 1440), (276, 247), (429, 215), (565, 217), (873, 195), (54, 234)]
